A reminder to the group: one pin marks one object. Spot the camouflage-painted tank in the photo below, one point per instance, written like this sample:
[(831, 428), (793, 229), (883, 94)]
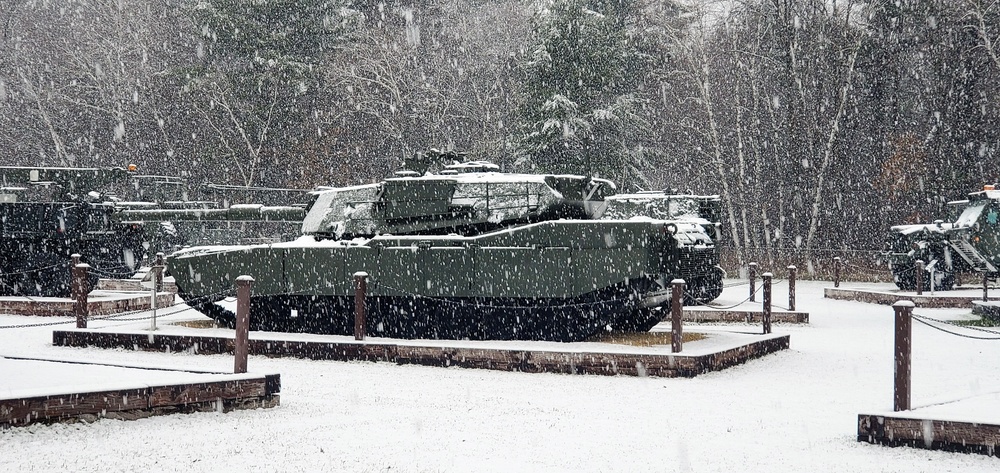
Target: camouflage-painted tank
[(468, 253), (969, 242)]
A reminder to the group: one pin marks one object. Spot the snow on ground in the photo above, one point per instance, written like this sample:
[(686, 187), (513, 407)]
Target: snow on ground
[(791, 411)]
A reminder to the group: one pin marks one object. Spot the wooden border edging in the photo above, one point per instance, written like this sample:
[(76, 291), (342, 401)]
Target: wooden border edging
[(885, 298), (748, 316), (665, 365), (103, 304), (130, 404), (931, 434)]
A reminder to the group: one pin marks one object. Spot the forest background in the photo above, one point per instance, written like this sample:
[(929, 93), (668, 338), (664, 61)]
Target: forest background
[(820, 123)]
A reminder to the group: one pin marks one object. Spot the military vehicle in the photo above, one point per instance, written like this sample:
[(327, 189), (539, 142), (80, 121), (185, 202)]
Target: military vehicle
[(467, 253), (969, 242), (46, 214), (49, 213)]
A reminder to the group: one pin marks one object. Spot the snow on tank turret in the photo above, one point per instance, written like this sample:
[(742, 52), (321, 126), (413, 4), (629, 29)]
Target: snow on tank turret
[(465, 198)]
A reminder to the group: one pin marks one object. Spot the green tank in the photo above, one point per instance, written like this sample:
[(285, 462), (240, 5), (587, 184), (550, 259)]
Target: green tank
[(468, 252), (969, 241)]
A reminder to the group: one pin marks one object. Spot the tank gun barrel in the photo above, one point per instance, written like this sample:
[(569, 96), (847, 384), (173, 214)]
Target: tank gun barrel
[(235, 213)]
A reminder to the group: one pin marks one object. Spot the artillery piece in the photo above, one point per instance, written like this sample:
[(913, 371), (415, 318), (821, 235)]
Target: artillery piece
[(49, 213), (968, 243), (468, 253)]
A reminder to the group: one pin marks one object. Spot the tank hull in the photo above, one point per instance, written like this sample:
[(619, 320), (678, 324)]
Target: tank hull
[(560, 280)]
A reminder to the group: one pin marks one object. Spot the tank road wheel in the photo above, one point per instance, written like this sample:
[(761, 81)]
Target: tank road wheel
[(704, 289), (640, 320)]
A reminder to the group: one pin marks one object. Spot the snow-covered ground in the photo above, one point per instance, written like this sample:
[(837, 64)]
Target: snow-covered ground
[(791, 411)]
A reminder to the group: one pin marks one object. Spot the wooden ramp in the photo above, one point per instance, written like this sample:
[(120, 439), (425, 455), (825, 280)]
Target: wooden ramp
[(723, 350), (50, 391)]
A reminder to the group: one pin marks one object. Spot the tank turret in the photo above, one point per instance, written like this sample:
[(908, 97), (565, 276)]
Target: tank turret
[(465, 198), (468, 252)]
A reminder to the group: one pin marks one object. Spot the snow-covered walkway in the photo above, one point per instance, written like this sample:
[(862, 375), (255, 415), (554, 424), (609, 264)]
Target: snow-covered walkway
[(792, 411)]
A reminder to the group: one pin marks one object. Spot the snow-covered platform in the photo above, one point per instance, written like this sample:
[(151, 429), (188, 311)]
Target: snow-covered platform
[(720, 348), (942, 426), (52, 390), (888, 294), (99, 302)]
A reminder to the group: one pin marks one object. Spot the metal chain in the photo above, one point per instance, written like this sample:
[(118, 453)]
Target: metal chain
[(31, 271), (117, 317), (927, 321)]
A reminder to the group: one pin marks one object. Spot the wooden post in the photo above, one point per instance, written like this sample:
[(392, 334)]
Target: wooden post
[(767, 302), (986, 287), (752, 273), (919, 274), (80, 288), (901, 387), (836, 272), (676, 329), (791, 287), (242, 348), (360, 290)]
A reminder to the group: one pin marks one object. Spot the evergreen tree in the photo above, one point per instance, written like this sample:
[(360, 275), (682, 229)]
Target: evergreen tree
[(580, 109)]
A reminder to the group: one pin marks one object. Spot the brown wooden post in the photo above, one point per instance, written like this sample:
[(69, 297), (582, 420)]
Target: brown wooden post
[(766, 277), (986, 287), (676, 329), (791, 287), (836, 272), (80, 288), (360, 291), (752, 273), (242, 348), (903, 347)]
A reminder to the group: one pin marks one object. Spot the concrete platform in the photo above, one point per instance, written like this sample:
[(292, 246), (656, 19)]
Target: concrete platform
[(885, 294), (47, 391), (99, 302), (720, 349)]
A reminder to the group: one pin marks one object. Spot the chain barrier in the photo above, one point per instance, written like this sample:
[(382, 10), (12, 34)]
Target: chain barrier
[(704, 304), (30, 271), (117, 317), (928, 322)]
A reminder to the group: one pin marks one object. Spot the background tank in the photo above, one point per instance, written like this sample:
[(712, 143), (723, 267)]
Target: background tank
[(466, 253), (969, 242), (112, 217), (47, 214)]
